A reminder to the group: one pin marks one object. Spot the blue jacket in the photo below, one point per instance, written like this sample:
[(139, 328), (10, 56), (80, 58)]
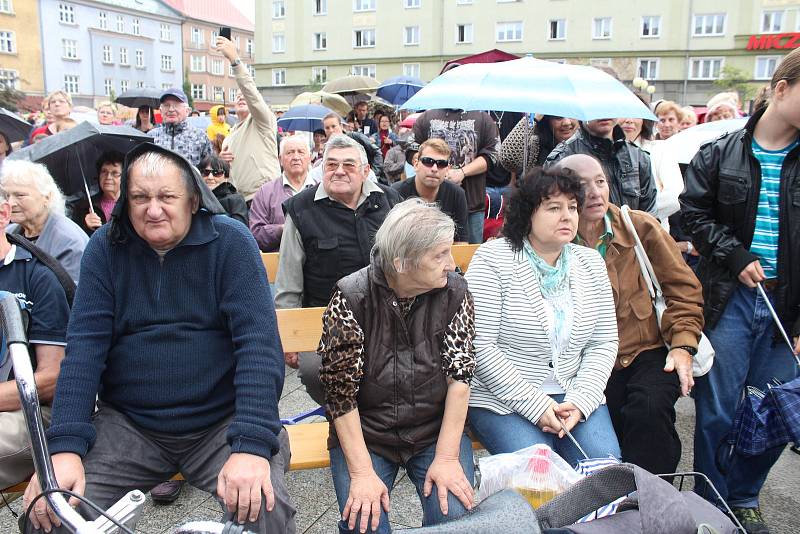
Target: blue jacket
[(184, 139), (176, 344)]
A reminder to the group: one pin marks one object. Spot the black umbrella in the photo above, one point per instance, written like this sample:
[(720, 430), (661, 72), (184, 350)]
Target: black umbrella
[(15, 127), (145, 96), (70, 156)]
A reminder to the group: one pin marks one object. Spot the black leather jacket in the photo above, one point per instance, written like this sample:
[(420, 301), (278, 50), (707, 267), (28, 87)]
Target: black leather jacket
[(627, 167), (719, 206), (374, 156)]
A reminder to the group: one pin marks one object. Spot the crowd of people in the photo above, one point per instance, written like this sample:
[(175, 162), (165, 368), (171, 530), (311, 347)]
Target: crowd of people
[(170, 358)]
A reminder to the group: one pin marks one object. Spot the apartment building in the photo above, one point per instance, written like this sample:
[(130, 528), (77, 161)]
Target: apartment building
[(20, 50), (679, 46)]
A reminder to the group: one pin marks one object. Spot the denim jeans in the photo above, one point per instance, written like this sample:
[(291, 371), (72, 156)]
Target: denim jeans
[(416, 467), (747, 354), (509, 433), (475, 227)]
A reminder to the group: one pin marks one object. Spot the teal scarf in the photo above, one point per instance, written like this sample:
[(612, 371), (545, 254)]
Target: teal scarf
[(553, 281)]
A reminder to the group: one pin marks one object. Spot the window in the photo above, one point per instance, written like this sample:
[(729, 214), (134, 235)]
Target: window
[(218, 93), (705, 25), (123, 56), (771, 21), (197, 63), (412, 4), (135, 28), (217, 67), (508, 31), (648, 69), (319, 74), (213, 39), (765, 67), (120, 24), (278, 43), (108, 55), (252, 71), (600, 62), (363, 5), (66, 15), (250, 48), (278, 76), (558, 30), (165, 85), (320, 41), (102, 20), (364, 70), (9, 78), (705, 68), (278, 9), (601, 28), (411, 35), (8, 44), (237, 42), (364, 38), (463, 2), (140, 84), (124, 85), (6, 7), (70, 83), (232, 94), (463, 33), (139, 58), (166, 63), (230, 71), (198, 91), (197, 36), (411, 69), (166, 32), (69, 49), (108, 86), (320, 7), (651, 26)]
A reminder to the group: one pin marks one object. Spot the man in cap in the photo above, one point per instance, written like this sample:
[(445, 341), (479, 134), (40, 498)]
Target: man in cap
[(175, 133)]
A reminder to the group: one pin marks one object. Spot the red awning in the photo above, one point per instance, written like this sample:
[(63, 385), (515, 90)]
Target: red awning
[(491, 56)]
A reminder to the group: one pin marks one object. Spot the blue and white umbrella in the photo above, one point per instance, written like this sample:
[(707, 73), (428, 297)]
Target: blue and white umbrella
[(399, 89), (529, 85), (303, 118)]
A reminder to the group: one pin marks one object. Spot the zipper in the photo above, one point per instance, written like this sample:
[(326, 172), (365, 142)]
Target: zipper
[(160, 275)]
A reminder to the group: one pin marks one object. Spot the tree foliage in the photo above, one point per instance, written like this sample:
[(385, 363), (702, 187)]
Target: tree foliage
[(735, 79)]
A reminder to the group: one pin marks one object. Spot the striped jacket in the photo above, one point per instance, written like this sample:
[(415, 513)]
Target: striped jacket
[(512, 346)]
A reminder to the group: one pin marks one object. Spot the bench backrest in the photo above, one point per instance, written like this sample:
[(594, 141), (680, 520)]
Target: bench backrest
[(270, 260)]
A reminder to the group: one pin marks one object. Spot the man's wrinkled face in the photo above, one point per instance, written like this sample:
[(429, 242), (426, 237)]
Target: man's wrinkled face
[(173, 110), (343, 173), (295, 158)]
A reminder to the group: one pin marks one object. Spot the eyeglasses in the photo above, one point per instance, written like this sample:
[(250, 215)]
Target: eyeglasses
[(347, 165), (114, 174), (206, 172), (430, 162), (172, 107)]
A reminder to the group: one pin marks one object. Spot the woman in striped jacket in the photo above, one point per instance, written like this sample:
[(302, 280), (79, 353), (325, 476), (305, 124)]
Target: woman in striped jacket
[(546, 334)]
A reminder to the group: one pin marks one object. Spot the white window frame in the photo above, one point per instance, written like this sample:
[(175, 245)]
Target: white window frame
[(768, 25), (165, 32), (758, 75), (197, 63), (233, 94), (278, 77), (9, 78), (369, 69), (654, 23), (102, 20), (124, 60), (198, 91), (8, 42), (108, 86), (139, 58), (69, 49), (319, 41), (693, 60), (217, 67), (71, 84), (251, 70), (136, 27), (319, 74), (250, 48), (139, 84), (412, 69), (165, 85), (167, 63), (560, 24), (599, 30), (412, 4), (6, 7), (507, 31), (278, 9), (468, 32), (361, 36), (278, 43), (703, 17), (108, 55), (66, 14), (414, 35), (198, 37), (649, 60), (119, 25), (320, 7), (361, 6), (217, 93)]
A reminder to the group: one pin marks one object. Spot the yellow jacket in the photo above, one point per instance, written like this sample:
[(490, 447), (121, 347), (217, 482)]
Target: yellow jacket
[(218, 124)]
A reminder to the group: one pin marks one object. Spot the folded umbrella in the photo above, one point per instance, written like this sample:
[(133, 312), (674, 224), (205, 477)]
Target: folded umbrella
[(330, 100), (303, 118), (142, 96), (13, 126), (399, 89)]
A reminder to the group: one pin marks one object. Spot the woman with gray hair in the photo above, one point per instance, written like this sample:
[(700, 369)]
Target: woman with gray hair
[(397, 359), (37, 208)]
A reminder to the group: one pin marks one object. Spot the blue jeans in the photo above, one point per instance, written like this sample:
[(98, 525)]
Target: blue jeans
[(509, 433), (416, 467), (475, 227), (747, 354)]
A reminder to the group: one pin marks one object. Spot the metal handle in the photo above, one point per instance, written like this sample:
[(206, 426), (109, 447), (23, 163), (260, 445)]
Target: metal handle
[(778, 322)]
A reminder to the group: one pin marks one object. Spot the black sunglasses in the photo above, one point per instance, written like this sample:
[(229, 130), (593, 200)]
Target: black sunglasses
[(430, 162), (206, 172)]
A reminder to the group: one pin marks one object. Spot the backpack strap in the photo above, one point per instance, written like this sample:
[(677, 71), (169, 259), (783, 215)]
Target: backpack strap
[(62, 275)]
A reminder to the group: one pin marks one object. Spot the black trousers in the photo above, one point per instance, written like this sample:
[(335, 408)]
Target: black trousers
[(641, 399)]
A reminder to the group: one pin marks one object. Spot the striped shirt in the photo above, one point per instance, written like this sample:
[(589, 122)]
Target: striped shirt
[(765, 236)]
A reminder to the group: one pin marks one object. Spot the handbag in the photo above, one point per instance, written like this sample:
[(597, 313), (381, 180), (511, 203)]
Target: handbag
[(704, 359)]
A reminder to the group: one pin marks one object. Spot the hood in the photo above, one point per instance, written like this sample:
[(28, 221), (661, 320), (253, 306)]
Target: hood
[(119, 216), (212, 113)]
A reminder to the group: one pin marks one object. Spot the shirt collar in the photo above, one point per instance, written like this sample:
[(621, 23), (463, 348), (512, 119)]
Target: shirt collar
[(605, 238), (309, 182), (367, 188), (16, 253)]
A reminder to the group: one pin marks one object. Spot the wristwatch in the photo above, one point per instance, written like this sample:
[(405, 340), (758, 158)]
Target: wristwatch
[(689, 247), (691, 350), (236, 62)]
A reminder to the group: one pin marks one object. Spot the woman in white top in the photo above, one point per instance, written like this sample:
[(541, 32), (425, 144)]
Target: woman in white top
[(546, 334)]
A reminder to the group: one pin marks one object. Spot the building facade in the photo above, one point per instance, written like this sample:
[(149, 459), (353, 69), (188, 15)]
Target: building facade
[(20, 48), (679, 46), (210, 78), (95, 50)]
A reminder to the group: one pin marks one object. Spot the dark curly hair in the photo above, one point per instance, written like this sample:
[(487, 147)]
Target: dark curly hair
[(537, 185)]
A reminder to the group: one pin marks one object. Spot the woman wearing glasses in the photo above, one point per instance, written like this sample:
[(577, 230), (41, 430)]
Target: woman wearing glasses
[(215, 173), (109, 171)]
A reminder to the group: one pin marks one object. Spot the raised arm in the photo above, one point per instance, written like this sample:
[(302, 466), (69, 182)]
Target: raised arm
[(259, 109)]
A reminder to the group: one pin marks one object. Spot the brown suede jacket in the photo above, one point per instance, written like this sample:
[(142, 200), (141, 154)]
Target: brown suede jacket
[(682, 321)]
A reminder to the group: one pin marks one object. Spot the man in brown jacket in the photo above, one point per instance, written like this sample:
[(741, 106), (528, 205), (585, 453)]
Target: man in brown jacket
[(648, 376)]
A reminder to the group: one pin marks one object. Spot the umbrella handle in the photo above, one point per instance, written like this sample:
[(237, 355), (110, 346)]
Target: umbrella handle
[(778, 322), (85, 184)]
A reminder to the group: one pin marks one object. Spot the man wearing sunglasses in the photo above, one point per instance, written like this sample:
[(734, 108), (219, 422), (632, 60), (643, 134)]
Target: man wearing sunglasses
[(430, 185)]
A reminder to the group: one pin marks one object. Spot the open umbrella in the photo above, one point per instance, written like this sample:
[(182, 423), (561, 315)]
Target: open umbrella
[(529, 85), (303, 118), (13, 126), (70, 156), (330, 100), (143, 96), (685, 144), (399, 89), (351, 85), (409, 121)]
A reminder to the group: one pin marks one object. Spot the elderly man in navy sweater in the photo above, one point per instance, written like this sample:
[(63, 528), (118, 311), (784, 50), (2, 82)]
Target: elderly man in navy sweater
[(174, 330)]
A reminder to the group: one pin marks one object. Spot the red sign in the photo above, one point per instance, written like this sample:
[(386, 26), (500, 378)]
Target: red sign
[(780, 41)]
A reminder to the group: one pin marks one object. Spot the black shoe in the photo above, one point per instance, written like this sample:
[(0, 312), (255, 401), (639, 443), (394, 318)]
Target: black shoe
[(167, 492), (752, 520)]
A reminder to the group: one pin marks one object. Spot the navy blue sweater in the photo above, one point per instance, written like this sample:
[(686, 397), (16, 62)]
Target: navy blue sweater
[(176, 344)]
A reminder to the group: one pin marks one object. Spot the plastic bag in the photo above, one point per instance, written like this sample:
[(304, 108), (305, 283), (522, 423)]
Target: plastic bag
[(536, 472)]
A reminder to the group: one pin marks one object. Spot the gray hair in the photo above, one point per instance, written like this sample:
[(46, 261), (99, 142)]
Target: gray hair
[(152, 164), (26, 173), (294, 138), (409, 230), (340, 141)]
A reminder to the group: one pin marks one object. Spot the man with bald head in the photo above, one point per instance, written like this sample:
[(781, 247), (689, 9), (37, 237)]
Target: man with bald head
[(266, 211), (648, 377)]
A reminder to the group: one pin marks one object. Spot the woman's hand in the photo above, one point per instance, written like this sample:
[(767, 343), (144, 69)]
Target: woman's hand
[(549, 421), (569, 415), (448, 475), (92, 221), (368, 494)]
